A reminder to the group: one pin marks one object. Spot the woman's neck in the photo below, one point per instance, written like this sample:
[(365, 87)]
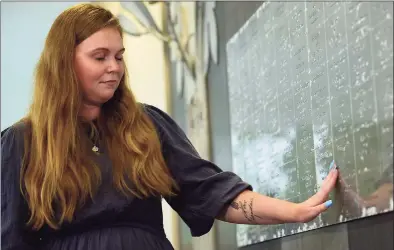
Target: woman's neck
[(90, 112)]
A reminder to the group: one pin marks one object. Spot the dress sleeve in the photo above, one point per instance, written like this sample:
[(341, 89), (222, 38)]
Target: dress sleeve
[(204, 188), (14, 209)]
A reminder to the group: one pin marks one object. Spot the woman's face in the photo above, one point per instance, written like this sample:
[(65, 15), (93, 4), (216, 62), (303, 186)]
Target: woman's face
[(99, 65)]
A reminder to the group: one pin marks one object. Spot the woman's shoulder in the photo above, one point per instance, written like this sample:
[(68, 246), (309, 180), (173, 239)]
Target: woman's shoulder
[(12, 137), (154, 111), (161, 119), (169, 131), (18, 128)]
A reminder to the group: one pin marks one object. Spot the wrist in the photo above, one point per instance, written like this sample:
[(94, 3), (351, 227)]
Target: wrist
[(290, 213), (295, 213)]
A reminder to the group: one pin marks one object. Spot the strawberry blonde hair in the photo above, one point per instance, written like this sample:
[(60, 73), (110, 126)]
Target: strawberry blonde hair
[(58, 175)]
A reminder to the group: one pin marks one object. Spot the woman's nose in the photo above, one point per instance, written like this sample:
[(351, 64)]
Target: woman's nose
[(114, 65)]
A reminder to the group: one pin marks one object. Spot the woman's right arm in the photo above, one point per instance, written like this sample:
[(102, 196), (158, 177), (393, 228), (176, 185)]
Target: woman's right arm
[(14, 210)]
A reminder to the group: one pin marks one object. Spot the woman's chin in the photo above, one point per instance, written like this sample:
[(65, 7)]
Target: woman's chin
[(105, 97)]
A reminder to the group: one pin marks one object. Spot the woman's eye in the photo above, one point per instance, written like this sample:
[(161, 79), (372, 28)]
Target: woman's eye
[(102, 58)]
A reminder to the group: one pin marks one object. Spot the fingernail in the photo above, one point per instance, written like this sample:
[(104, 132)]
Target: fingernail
[(333, 165), (328, 203)]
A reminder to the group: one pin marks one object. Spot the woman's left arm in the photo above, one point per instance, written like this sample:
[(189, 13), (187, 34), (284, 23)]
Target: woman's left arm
[(253, 208)]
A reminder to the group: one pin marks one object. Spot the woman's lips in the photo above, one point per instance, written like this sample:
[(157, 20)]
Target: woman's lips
[(111, 83)]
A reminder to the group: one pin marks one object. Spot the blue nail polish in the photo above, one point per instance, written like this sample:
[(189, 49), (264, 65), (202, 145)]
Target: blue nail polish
[(333, 165), (328, 203)]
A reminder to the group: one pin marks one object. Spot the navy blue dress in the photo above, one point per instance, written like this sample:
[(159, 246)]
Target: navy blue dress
[(113, 221)]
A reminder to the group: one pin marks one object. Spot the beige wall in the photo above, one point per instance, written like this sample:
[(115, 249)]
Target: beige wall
[(144, 58)]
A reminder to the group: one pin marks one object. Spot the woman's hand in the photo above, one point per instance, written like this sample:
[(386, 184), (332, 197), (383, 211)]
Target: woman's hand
[(315, 205)]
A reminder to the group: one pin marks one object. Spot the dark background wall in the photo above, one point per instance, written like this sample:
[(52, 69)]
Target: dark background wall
[(364, 234)]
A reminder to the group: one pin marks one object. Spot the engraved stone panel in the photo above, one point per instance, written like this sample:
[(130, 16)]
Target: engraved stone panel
[(310, 82)]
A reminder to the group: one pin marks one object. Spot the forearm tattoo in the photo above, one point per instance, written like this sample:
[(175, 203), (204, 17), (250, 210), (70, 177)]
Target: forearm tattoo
[(247, 209)]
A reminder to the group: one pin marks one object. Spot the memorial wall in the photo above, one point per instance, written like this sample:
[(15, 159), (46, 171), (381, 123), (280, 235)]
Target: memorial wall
[(308, 83)]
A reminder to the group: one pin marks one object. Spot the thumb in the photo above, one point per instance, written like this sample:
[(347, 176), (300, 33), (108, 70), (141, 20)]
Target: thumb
[(323, 207), (309, 213), (312, 212)]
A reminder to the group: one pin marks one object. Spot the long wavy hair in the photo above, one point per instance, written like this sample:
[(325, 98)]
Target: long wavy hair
[(58, 172)]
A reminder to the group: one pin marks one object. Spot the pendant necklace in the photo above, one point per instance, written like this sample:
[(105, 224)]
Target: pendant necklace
[(95, 149), (95, 139)]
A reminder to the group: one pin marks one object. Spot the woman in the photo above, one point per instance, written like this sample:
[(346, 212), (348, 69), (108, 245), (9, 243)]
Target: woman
[(87, 167)]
